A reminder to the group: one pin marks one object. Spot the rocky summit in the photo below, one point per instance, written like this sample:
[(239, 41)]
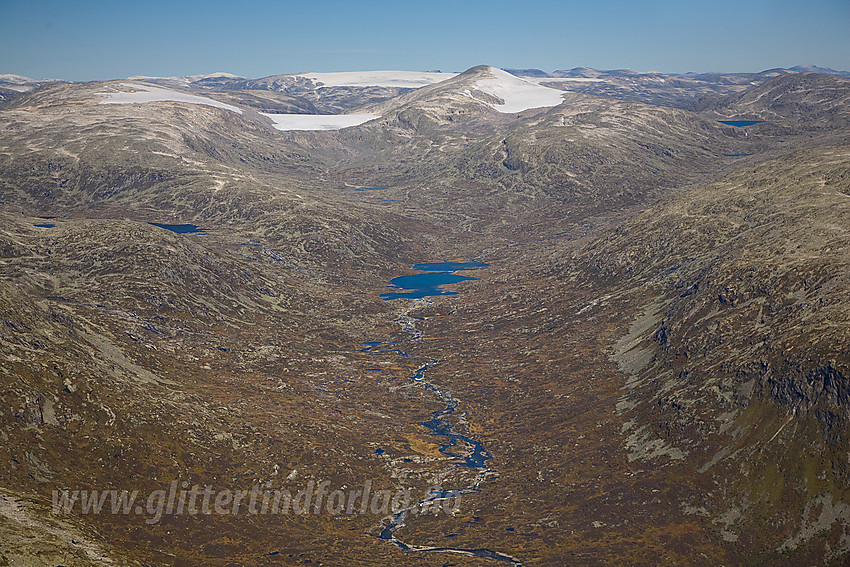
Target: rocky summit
[(392, 318)]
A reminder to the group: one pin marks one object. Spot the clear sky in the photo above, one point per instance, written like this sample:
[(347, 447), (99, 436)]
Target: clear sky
[(88, 40)]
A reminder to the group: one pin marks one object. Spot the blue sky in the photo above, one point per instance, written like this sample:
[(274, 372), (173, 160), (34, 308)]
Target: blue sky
[(88, 40)]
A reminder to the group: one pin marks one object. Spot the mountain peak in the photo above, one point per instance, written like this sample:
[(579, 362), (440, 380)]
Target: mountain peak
[(482, 86), (516, 94)]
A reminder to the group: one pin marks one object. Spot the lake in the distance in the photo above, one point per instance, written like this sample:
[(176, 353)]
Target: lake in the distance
[(180, 228), (740, 123), (429, 283)]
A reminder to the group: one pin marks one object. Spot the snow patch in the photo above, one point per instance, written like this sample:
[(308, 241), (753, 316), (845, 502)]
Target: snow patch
[(318, 121), (16, 79), (398, 79), (220, 74), (147, 93), (518, 94)]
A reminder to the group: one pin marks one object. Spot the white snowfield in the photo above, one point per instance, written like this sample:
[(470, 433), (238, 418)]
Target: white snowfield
[(187, 80), (517, 93), (318, 121), (217, 75), (15, 79), (399, 79), (147, 93)]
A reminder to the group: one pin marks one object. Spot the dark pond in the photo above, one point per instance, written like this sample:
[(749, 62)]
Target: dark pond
[(180, 228), (740, 123), (45, 225)]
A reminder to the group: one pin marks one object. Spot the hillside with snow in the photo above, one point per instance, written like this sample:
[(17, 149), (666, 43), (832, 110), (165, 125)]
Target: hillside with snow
[(142, 94), (476, 92), (516, 94), (147, 93), (318, 121)]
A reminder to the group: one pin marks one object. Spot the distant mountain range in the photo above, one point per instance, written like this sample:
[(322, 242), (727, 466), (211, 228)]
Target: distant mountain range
[(334, 92)]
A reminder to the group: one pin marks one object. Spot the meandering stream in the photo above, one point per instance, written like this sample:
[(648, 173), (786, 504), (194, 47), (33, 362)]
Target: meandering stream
[(476, 456)]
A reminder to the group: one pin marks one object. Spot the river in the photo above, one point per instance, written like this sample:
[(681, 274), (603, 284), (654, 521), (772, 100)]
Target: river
[(440, 424)]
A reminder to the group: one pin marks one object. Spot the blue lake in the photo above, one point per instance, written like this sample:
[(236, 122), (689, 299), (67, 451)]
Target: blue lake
[(180, 228), (740, 123), (45, 225), (428, 284)]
